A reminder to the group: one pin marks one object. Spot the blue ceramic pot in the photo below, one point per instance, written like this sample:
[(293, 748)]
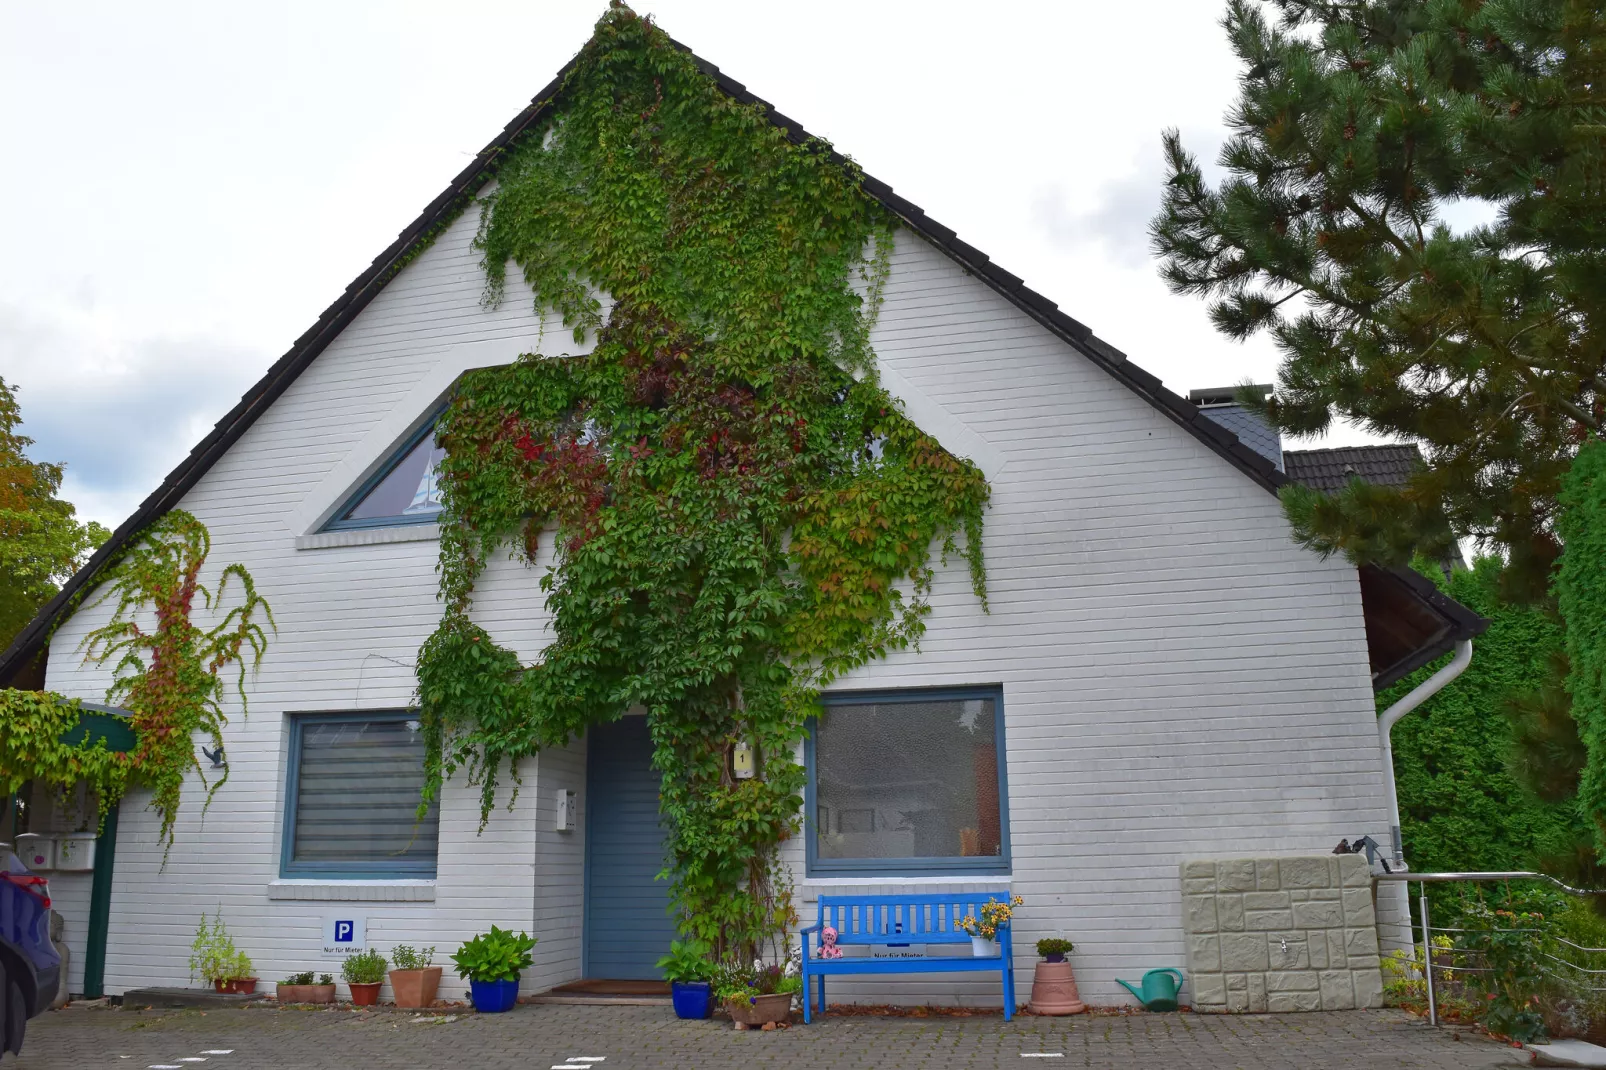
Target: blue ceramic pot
[(693, 999), (494, 997)]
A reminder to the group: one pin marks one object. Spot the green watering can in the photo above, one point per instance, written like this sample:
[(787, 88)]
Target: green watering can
[(1159, 989)]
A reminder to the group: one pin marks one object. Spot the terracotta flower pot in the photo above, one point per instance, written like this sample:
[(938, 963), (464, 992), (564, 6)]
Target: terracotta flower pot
[(1054, 990), (365, 995), (415, 988), (306, 993), (246, 986), (756, 1010), (220, 984)]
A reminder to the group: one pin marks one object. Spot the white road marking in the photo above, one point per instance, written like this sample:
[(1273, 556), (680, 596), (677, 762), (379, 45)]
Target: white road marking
[(571, 1066), (193, 1059), (588, 1058), (1042, 1055), (163, 1066), (218, 1051)]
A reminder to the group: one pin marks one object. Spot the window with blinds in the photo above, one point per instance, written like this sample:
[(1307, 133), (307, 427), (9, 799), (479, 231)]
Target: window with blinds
[(353, 798)]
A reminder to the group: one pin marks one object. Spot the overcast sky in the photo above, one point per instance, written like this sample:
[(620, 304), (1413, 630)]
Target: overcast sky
[(190, 184)]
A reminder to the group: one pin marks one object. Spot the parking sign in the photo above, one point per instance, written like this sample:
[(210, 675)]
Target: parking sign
[(344, 934)]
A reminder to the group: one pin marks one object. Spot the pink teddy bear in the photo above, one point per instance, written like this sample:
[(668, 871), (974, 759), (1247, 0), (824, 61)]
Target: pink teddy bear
[(828, 948)]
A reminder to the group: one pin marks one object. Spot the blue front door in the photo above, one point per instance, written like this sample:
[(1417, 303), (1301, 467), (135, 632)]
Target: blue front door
[(627, 925)]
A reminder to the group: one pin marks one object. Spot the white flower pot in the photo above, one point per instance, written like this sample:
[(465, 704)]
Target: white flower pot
[(983, 948)]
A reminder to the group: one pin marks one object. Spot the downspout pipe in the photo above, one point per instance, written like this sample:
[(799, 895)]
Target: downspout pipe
[(1386, 721)]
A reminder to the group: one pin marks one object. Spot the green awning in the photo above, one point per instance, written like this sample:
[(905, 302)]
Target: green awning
[(102, 722)]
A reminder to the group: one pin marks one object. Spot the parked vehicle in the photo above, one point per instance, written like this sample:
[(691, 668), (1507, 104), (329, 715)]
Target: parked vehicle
[(30, 968)]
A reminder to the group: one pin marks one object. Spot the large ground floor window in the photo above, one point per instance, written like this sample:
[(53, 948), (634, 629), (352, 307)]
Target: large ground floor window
[(908, 782), (352, 798)]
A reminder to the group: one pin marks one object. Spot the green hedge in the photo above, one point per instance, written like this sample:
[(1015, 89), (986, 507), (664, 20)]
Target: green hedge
[(1460, 808)]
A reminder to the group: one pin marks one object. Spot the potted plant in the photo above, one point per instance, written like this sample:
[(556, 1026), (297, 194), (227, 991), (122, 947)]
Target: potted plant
[(415, 978), (491, 962), (299, 988), (689, 972), (758, 995), (983, 927), (241, 978), (1054, 985), (212, 953), (365, 975)]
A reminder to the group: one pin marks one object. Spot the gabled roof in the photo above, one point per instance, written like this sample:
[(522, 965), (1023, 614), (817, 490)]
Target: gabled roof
[(1328, 470), (443, 209)]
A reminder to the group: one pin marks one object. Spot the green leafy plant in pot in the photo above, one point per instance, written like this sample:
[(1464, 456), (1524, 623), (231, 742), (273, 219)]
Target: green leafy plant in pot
[(491, 962), (689, 969), (415, 978), (365, 975)]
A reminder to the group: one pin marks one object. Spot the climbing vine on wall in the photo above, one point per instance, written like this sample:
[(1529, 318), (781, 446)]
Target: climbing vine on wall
[(736, 511), (168, 672), (33, 747)]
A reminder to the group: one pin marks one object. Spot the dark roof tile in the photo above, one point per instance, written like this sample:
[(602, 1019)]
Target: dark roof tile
[(1330, 469)]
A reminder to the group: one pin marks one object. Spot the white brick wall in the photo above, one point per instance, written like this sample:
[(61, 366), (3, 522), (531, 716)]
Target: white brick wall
[(1180, 680)]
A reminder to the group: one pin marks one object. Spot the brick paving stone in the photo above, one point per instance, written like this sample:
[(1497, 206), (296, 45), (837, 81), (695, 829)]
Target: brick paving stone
[(648, 1038)]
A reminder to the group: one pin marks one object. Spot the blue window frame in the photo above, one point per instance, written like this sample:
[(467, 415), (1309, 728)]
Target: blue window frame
[(908, 782), (404, 490), (351, 798)]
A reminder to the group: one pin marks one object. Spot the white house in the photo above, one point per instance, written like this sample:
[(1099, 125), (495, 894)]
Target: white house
[(1164, 674)]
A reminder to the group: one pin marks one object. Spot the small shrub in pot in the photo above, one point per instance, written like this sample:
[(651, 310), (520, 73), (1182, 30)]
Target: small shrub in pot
[(1054, 982), (1054, 949), (300, 988), (364, 973), (415, 978)]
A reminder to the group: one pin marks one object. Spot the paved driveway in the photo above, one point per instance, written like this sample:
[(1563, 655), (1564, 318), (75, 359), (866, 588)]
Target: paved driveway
[(638, 1038)]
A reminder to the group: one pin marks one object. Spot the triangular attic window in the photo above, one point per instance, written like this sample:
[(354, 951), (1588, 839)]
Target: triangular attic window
[(403, 491)]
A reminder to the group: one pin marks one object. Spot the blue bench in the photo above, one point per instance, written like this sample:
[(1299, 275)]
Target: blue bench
[(901, 919)]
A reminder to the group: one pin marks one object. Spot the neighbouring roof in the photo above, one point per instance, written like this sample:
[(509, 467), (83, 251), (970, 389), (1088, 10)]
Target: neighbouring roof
[(1220, 403), (1409, 622), (1328, 470), (22, 659)]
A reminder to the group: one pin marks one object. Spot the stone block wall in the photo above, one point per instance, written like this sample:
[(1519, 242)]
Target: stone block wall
[(1281, 934)]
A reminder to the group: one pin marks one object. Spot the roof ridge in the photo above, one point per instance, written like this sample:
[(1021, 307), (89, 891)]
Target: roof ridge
[(1366, 446), (385, 266)]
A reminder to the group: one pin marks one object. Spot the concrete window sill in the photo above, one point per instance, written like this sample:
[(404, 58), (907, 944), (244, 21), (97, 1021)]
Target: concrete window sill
[(354, 891), (324, 540)]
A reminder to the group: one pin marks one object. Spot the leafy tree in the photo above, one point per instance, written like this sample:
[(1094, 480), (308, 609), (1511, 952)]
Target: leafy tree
[(1460, 780), (1358, 122), (1581, 597), (41, 540)]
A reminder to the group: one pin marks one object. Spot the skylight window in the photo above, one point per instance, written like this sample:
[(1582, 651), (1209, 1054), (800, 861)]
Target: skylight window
[(405, 491)]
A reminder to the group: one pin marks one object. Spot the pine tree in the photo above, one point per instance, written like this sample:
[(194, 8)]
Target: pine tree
[(1357, 123), (41, 540)]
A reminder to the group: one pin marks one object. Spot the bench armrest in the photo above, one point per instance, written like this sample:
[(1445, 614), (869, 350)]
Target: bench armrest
[(810, 929)]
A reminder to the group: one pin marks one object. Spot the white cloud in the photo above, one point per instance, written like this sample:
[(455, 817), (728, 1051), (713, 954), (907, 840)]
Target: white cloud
[(120, 409), (194, 182)]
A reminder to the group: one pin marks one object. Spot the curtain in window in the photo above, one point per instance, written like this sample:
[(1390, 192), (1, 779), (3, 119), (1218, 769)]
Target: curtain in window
[(357, 793)]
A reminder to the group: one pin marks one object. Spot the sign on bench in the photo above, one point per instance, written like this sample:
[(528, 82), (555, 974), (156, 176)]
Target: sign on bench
[(877, 924)]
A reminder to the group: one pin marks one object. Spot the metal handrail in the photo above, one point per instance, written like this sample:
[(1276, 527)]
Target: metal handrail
[(1427, 929), (1510, 875)]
